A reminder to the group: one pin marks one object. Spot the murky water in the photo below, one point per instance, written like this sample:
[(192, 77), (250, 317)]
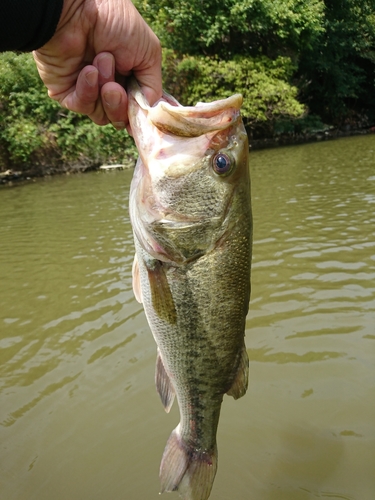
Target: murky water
[(79, 416)]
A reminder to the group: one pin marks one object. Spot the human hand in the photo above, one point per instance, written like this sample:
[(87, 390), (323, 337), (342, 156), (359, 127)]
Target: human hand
[(94, 42)]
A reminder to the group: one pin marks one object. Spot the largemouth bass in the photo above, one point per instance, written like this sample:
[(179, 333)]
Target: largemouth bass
[(191, 216)]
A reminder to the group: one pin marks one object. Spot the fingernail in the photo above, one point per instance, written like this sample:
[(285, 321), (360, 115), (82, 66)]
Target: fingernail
[(105, 66), (119, 125), (112, 98), (92, 78)]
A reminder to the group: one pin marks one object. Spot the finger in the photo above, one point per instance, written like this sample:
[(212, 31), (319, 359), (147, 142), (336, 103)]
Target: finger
[(105, 63), (149, 74), (115, 103), (150, 84), (113, 96), (84, 98), (151, 93)]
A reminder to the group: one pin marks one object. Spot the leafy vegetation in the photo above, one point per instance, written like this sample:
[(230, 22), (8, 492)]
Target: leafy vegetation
[(298, 63), (326, 46), (338, 70), (227, 27), (36, 131), (263, 83)]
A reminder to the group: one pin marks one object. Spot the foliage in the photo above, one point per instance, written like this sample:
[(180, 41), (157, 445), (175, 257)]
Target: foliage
[(227, 27), (35, 129), (264, 84), (330, 42), (340, 67), (306, 125), (299, 64)]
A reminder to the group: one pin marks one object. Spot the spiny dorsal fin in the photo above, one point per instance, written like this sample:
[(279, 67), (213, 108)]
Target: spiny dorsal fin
[(163, 384)]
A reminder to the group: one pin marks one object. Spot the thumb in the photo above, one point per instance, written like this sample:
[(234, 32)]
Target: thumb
[(149, 75)]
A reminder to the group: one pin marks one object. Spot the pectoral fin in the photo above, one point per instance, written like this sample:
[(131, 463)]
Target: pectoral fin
[(137, 280), (161, 296), (163, 384), (241, 379)]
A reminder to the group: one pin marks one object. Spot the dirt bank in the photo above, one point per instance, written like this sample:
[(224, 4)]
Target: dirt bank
[(13, 176)]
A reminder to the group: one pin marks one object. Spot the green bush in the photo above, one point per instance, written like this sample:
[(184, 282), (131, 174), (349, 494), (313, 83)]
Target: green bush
[(339, 68), (264, 84), (227, 27), (330, 42), (35, 130)]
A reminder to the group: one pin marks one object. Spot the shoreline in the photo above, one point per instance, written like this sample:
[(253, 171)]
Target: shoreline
[(12, 177), (295, 140)]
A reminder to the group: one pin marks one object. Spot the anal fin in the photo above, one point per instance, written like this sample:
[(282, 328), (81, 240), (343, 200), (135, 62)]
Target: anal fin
[(163, 384), (241, 380)]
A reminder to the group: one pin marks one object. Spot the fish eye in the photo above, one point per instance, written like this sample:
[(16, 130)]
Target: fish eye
[(222, 164)]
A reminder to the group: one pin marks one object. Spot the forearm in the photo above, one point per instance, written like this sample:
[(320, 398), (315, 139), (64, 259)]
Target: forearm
[(26, 25)]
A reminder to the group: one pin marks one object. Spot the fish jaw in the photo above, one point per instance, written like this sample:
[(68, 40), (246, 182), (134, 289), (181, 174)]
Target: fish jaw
[(172, 138)]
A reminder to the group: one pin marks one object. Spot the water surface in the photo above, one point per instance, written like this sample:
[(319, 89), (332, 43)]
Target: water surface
[(79, 415)]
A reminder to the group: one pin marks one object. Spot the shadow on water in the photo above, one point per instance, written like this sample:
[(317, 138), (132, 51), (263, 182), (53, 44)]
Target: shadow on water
[(79, 414)]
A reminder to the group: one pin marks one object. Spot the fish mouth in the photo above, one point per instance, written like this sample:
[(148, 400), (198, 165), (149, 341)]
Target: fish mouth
[(171, 139), (170, 117)]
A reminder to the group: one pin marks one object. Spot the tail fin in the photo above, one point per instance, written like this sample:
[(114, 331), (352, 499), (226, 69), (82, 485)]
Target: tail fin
[(186, 469)]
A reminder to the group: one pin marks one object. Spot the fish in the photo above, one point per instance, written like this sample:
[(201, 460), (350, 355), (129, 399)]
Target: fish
[(190, 210)]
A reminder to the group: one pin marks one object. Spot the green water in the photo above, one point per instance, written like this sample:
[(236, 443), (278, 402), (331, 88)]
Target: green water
[(79, 416)]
